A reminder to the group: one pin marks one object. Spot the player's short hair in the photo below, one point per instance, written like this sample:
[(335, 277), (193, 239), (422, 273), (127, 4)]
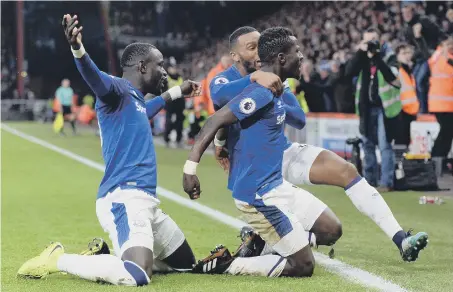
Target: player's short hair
[(273, 41), (134, 50), (238, 32)]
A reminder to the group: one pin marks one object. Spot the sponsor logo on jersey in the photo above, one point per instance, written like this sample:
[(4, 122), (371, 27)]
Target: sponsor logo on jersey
[(221, 80), (140, 108), (281, 119), (247, 105)]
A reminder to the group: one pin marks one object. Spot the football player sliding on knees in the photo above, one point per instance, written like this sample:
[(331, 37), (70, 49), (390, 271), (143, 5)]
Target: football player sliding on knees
[(269, 204), (145, 239), (303, 164)]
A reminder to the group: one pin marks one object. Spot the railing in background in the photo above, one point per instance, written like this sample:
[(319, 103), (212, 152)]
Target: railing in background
[(330, 131), (24, 109)]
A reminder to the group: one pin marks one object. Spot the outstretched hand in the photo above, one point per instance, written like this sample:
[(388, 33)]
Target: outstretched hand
[(72, 31)]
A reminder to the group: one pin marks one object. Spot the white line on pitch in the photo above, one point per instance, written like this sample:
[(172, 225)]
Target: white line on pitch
[(347, 271)]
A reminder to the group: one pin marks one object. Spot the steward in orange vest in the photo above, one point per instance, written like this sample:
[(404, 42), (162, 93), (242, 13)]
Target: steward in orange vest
[(440, 95), (440, 98), (408, 94)]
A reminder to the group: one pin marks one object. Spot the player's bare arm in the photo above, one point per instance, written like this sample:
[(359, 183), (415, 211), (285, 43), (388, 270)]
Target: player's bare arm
[(222, 118)]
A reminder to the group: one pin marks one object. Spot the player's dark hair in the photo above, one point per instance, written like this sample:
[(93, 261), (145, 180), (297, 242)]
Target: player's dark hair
[(273, 41), (134, 50), (238, 32)]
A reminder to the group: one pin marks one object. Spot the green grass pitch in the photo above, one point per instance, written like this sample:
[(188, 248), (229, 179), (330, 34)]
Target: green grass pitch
[(48, 197)]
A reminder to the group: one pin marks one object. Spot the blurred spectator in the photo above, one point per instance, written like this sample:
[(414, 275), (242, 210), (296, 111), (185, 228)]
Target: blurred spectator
[(425, 36), (205, 98), (342, 87), (310, 84), (326, 85), (174, 110), (378, 106), (440, 98), (447, 23), (408, 95), (196, 122)]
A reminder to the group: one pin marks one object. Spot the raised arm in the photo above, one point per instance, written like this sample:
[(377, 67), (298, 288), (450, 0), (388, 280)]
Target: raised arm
[(100, 82)]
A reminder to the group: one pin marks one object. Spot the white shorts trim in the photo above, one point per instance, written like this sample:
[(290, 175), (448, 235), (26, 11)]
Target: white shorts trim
[(297, 162)]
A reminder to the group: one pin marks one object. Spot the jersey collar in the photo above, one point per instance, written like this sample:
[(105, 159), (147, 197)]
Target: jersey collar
[(236, 72)]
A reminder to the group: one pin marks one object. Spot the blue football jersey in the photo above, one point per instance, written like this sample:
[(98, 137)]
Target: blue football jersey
[(127, 141), (220, 98), (262, 142)]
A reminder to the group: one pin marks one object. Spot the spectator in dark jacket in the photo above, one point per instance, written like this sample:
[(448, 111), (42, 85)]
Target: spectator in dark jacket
[(342, 87), (310, 85), (425, 36)]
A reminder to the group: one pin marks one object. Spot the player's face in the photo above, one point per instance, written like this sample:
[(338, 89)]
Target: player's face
[(154, 75), (246, 51), (293, 60)]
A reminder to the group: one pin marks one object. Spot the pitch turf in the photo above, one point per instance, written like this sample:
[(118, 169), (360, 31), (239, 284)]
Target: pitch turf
[(46, 196)]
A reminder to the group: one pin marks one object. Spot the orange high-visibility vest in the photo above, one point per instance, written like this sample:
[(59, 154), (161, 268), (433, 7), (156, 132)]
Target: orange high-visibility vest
[(440, 95), (408, 94), (86, 114), (56, 106)]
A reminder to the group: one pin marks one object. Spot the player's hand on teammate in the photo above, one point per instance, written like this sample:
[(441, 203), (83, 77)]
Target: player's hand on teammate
[(222, 157), (191, 88), (268, 80), (191, 186), (72, 30)]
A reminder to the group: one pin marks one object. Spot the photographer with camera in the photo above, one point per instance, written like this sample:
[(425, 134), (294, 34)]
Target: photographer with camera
[(377, 104)]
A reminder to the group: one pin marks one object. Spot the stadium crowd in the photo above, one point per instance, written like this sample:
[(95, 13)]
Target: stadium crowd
[(327, 30), (330, 33)]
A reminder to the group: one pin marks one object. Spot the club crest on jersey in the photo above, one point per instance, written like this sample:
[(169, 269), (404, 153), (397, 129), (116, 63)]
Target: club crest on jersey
[(247, 105), (221, 80), (140, 108)]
